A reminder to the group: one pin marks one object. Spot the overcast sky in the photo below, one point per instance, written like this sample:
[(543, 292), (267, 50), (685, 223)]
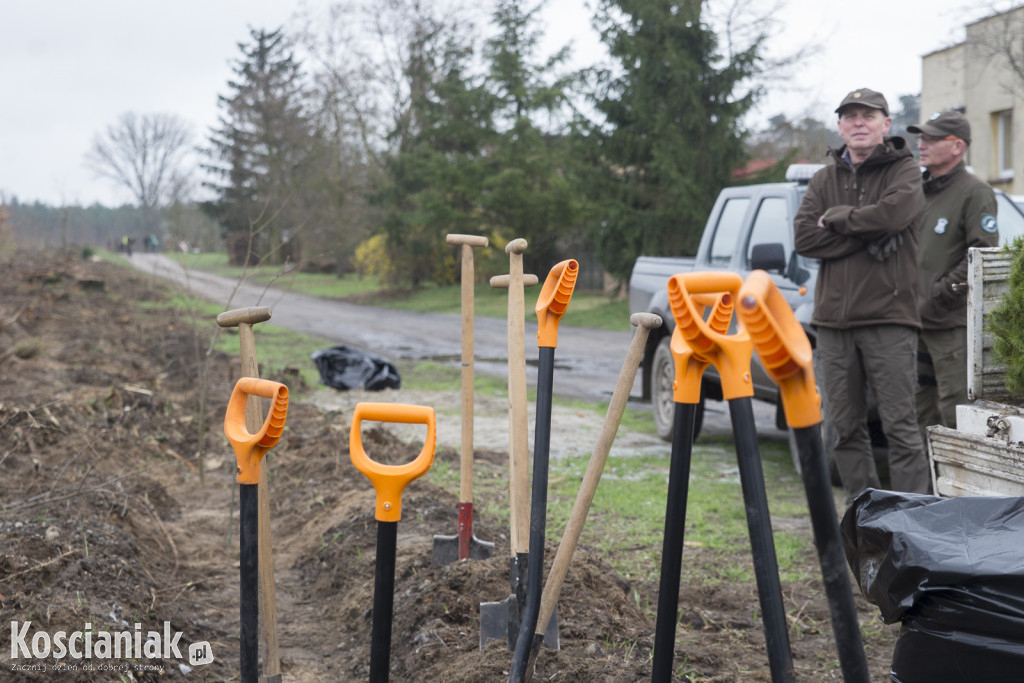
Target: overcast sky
[(70, 68)]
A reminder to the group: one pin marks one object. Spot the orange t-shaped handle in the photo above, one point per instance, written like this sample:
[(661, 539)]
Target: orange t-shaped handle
[(783, 346), (708, 340), (554, 300), (390, 480), (250, 448)]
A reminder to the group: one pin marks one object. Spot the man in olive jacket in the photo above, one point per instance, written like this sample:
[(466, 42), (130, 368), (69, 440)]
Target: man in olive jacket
[(861, 218), (960, 213)]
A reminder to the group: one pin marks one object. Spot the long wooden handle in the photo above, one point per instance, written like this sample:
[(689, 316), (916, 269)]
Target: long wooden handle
[(466, 453), (519, 478), (644, 323)]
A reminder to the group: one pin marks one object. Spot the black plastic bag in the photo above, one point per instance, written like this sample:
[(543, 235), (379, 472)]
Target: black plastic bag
[(951, 570), (343, 367)]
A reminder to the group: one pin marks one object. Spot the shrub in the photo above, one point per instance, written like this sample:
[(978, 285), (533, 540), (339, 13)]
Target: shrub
[(1007, 322)]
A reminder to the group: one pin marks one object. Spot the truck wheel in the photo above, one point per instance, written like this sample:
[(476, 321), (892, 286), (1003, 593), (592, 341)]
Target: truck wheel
[(662, 376)]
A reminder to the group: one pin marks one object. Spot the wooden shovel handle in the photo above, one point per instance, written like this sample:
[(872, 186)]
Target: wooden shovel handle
[(468, 278), (644, 323), (519, 476)]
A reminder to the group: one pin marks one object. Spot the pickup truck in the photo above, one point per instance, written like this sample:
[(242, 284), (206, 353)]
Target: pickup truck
[(750, 227)]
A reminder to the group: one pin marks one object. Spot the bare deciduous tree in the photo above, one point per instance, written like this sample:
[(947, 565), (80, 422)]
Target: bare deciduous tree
[(144, 155)]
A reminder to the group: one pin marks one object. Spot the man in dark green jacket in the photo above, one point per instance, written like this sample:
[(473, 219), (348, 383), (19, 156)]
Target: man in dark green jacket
[(960, 213), (860, 218)]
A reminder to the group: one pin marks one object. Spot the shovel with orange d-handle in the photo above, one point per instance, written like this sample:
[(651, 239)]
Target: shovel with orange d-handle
[(786, 356), (552, 303), (388, 481), (249, 451), (244, 319), (731, 354)]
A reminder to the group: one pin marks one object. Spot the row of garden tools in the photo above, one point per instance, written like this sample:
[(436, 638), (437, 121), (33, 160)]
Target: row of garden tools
[(703, 307)]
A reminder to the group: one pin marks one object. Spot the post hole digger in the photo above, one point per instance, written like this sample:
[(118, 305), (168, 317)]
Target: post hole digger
[(696, 343), (250, 447), (465, 545), (502, 619), (525, 657), (388, 481), (244, 319), (552, 303), (785, 353)]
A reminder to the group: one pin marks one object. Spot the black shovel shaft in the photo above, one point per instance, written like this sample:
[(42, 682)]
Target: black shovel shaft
[(762, 545), (821, 505), (672, 544), (248, 581), (383, 602), (538, 513)]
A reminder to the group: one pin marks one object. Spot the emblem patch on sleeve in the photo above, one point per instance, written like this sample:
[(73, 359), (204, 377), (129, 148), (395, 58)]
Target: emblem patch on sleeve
[(988, 223)]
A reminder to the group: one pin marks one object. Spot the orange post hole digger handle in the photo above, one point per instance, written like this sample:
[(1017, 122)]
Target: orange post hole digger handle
[(783, 346), (554, 300), (250, 448), (390, 480), (698, 342)]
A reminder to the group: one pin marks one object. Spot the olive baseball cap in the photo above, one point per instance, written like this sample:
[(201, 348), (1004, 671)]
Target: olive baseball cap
[(942, 124), (865, 97)]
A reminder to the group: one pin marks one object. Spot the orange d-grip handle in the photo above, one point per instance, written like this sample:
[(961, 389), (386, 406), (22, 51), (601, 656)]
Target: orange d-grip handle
[(250, 448), (783, 346), (554, 300), (708, 340), (390, 480)]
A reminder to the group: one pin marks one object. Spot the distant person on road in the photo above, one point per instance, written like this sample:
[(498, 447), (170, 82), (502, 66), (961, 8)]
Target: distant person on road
[(959, 213), (861, 218)]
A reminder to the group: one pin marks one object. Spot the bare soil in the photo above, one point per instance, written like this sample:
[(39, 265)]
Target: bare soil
[(106, 519)]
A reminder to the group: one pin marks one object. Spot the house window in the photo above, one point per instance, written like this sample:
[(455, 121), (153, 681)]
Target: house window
[(1004, 143)]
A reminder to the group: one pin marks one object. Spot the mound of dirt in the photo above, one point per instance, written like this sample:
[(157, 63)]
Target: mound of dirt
[(118, 512)]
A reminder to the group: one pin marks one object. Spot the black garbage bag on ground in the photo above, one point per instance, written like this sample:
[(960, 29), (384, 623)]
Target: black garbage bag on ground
[(343, 367), (951, 570)]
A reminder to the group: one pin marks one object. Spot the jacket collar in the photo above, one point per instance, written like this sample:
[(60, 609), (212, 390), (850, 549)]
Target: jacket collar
[(892, 147), (934, 184)]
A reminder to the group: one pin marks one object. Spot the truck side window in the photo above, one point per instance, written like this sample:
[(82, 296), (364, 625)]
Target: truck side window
[(728, 230), (771, 224)]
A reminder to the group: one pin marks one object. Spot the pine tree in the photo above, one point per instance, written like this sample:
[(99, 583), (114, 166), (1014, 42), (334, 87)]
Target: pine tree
[(263, 150), (435, 173), (670, 135), (528, 193)]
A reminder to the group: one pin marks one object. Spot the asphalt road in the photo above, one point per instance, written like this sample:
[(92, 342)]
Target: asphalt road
[(587, 361)]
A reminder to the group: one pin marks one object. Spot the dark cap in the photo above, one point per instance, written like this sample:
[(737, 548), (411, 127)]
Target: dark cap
[(865, 97), (942, 124)]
